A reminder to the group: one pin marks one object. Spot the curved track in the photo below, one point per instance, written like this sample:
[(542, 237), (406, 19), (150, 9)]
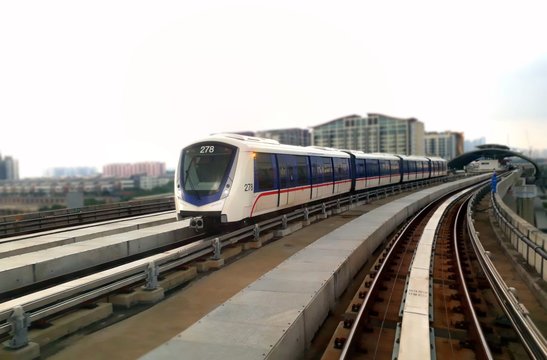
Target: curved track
[(426, 295)]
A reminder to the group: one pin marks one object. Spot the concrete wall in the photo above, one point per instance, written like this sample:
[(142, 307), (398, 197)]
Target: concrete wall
[(525, 228)]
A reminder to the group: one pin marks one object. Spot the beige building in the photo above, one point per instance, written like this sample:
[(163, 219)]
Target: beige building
[(374, 133), (293, 136), (447, 144)]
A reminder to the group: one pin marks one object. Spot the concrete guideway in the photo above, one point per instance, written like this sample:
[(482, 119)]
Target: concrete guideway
[(23, 244), (277, 316), (30, 268)]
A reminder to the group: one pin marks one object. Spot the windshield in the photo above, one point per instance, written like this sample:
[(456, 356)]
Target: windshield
[(205, 167)]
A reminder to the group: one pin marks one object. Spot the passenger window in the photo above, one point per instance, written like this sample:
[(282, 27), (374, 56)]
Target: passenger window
[(303, 170), (265, 177)]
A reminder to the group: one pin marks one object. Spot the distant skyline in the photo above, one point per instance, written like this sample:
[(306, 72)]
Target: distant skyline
[(86, 84)]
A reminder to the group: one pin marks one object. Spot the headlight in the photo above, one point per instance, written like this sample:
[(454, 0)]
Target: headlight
[(226, 190), (178, 194)]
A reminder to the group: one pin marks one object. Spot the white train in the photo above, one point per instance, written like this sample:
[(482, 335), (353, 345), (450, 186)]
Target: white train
[(228, 178)]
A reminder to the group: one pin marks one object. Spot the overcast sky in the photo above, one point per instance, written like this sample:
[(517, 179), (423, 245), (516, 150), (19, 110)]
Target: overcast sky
[(90, 83)]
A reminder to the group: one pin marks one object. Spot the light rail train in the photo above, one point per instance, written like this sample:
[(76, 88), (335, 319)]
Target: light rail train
[(228, 178)]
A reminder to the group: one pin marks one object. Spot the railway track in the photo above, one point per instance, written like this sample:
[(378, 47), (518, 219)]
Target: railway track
[(55, 219), (40, 305), (31, 223), (47, 299), (428, 296)]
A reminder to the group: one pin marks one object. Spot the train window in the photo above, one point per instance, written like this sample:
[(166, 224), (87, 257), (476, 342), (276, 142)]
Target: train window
[(405, 166), (360, 168), (316, 169), (327, 169), (265, 176), (285, 171), (384, 167), (395, 167), (412, 167), (293, 170), (205, 168), (372, 168), (341, 167), (302, 170)]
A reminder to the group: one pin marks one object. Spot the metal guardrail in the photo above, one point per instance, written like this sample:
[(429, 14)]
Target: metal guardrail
[(531, 337), (55, 219), (534, 252)]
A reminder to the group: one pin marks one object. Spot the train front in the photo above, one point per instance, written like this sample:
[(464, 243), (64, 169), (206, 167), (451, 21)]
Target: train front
[(203, 180)]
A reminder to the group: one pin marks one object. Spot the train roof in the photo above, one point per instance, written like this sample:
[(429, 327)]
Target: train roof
[(436, 158), (414, 157), (252, 143), (363, 155)]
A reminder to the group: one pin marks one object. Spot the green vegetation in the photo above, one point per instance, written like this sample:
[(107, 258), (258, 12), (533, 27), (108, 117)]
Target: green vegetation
[(93, 201), (52, 207)]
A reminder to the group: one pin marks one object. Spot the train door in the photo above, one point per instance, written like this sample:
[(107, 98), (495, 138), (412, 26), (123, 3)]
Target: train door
[(300, 180), (294, 180), (384, 172), (337, 175), (412, 170), (266, 184), (328, 177), (373, 173), (360, 174), (395, 172), (284, 180), (353, 172), (316, 166), (421, 169)]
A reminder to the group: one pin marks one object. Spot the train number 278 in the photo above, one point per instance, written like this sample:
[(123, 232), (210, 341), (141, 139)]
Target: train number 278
[(248, 187), (207, 149)]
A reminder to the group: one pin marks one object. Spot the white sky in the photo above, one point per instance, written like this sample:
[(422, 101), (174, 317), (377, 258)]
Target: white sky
[(90, 83)]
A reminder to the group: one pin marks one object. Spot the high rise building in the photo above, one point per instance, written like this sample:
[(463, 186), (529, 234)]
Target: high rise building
[(293, 136), (9, 168), (375, 133), (447, 144)]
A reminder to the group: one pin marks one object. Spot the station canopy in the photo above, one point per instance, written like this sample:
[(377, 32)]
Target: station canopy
[(491, 151)]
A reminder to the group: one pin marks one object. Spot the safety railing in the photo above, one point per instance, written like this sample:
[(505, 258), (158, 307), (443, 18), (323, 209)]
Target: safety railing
[(525, 238), (532, 338)]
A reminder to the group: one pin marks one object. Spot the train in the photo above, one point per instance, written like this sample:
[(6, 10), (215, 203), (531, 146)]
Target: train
[(232, 178)]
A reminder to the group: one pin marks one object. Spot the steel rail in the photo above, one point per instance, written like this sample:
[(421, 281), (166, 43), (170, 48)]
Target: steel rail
[(532, 339), (485, 348), (360, 314), (345, 354)]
